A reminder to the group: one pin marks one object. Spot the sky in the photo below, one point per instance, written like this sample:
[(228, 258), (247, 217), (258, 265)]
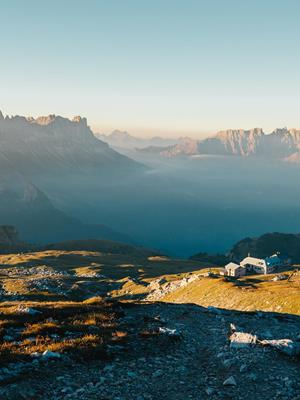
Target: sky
[(164, 67)]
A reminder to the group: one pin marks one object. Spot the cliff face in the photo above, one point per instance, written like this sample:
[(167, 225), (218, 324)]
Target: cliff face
[(240, 142), (186, 146), (280, 144), (54, 143)]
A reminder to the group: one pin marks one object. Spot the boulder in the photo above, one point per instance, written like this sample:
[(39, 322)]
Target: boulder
[(230, 381), (21, 309), (286, 346), (240, 340), (50, 355)]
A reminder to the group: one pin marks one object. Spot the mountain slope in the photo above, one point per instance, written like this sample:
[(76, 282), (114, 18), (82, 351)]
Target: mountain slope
[(53, 143), (247, 294), (268, 244), (102, 246), (25, 206), (47, 162)]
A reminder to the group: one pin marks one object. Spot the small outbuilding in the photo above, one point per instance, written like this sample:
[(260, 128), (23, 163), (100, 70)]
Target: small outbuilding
[(235, 270)]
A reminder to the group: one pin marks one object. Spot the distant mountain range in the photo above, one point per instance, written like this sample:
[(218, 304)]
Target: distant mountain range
[(123, 140), (53, 143), (280, 144), (59, 182)]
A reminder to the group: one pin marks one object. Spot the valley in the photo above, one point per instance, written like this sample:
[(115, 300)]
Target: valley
[(59, 182)]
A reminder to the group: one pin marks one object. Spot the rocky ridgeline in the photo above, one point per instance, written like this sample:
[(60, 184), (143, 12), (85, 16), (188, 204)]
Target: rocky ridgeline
[(280, 144)]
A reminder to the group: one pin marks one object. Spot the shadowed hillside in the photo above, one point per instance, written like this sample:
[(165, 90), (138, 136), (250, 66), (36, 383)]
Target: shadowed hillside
[(270, 243)]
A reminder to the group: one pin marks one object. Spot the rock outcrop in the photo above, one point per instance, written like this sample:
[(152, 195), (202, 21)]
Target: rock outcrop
[(51, 143)]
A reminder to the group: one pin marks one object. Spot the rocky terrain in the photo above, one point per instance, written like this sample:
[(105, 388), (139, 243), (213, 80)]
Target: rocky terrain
[(173, 351), (82, 324)]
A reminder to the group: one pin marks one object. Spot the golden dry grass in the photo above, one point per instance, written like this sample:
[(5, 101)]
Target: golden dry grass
[(257, 292), (60, 327), (114, 266)]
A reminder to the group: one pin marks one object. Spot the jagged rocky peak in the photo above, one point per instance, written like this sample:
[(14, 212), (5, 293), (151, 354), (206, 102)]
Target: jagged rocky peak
[(293, 134), (80, 120), (281, 131), (42, 127), (54, 142), (49, 119), (44, 120), (237, 133), (242, 142)]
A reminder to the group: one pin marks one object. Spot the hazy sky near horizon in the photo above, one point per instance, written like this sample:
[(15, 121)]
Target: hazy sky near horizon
[(162, 66)]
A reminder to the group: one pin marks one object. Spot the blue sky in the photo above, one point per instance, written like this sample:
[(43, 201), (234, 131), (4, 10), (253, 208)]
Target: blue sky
[(168, 67)]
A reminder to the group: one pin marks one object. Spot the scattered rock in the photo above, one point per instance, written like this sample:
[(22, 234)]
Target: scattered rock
[(157, 373), (209, 391), (230, 381), (286, 346), (228, 363), (22, 309), (50, 355), (252, 376), (131, 374), (240, 340), (243, 368), (169, 332)]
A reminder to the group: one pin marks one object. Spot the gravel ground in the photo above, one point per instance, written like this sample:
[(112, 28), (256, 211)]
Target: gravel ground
[(192, 362)]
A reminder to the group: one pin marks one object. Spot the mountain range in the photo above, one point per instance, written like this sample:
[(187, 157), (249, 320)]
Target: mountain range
[(59, 182), (38, 156), (51, 143), (280, 144), (122, 140)]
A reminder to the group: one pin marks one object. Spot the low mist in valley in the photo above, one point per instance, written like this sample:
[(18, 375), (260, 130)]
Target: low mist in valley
[(58, 181), (192, 205)]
